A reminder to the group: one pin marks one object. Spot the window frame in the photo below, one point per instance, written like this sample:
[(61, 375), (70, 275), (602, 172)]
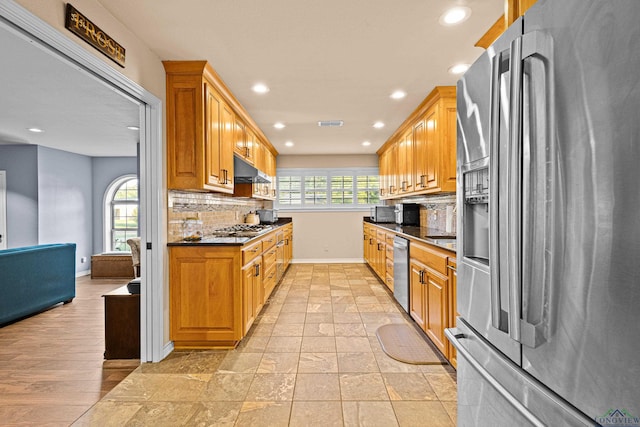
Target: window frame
[(110, 193), (329, 174)]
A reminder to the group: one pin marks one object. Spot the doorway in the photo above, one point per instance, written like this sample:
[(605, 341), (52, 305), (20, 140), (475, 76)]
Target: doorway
[(153, 288), (3, 210)]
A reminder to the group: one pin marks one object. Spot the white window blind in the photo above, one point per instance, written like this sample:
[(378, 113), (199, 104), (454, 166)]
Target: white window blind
[(327, 189)]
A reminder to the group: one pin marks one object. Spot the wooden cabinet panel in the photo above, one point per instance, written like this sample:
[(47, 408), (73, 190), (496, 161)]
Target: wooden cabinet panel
[(227, 119), (205, 127), (205, 299), (432, 148), (436, 319), (121, 324), (406, 163), (453, 309), (251, 251), (252, 293), (184, 133), (288, 245), (420, 157), (417, 292)]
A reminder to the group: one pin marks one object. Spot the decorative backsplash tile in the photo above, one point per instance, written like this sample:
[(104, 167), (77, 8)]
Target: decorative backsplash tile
[(214, 210), (437, 211)]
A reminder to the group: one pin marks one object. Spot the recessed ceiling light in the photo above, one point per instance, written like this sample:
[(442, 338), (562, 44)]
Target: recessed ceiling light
[(455, 15), (459, 69), (366, 143), (133, 128), (398, 94), (260, 88), (378, 125), (289, 144), (35, 130), (279, 125)]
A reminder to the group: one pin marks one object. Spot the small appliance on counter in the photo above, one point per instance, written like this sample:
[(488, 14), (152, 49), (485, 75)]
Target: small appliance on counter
[(268, 216), (252, 218), (407, 214), (383, 214)]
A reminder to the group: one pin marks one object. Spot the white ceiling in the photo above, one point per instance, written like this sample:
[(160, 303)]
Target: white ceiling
[(77, 112), (323, 60)]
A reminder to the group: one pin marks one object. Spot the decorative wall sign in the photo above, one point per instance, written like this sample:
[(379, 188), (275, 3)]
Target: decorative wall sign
[(82, 27)]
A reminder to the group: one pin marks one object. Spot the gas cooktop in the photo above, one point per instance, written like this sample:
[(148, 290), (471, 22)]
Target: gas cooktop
[(242, 230)]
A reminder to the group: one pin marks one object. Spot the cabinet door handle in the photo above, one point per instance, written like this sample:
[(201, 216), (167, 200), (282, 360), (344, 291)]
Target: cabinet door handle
[(422, 184), (257, 267), (421, 277)]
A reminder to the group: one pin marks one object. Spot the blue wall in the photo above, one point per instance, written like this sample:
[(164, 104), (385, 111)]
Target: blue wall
[(64, 203), (55, 196), (104, 171), (21, 164)]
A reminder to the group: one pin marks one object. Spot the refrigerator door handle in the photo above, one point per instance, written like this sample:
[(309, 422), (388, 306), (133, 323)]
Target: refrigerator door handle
[(454, 335), (494, 184), (515, 190), (534, 44)]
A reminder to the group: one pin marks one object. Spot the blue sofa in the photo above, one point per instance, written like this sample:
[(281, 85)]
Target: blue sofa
[(33, 278)]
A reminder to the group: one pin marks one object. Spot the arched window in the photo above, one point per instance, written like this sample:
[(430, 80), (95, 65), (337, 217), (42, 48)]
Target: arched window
[(121, 213)]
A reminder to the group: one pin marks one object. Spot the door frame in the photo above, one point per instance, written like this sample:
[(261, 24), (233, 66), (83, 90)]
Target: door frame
[(3, 209), (151, 162)]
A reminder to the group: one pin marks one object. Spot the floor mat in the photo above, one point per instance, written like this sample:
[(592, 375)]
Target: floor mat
[(403, 343)]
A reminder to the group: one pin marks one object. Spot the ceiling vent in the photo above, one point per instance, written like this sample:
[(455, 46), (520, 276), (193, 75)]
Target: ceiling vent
[(330, 123)]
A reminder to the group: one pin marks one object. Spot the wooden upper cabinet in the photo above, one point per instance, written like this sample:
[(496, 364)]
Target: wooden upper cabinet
[(424, 161), (206, 125), (406, 162), (194, 107), (513, 9)]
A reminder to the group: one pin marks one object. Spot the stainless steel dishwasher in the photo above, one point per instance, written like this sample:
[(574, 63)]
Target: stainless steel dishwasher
[(401, 271)]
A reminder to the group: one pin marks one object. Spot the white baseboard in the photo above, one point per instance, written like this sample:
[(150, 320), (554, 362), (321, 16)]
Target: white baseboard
[(328, 261), (83, 273)]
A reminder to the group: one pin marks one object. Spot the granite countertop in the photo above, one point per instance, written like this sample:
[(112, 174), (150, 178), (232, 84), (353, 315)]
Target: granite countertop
[(432, 236), (230, 241)]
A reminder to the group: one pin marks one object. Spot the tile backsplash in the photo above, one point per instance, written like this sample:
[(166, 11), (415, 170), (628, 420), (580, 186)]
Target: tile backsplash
[(437, 212), (214, 210)]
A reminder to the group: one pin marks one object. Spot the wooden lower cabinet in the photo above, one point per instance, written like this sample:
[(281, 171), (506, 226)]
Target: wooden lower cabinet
[(417, 296), (432, 284), (453, 307), (205, 296), (252, 293), (437, 310), (216, 292), (429, 292)]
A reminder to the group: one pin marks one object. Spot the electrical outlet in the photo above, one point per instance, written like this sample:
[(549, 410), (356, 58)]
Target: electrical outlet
[(83, 260)]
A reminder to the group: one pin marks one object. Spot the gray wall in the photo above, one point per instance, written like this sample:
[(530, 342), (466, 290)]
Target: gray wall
[(64, 204), (104, 171), (55, 196), (21, 164)]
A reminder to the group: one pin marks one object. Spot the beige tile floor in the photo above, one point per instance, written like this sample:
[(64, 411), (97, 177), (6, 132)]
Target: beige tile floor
[(311, 358)]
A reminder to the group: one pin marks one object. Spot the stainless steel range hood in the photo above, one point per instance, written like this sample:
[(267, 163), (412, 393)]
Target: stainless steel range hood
[(244, 173)]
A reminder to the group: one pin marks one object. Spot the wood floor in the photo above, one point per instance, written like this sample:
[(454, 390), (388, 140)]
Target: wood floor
[(51, 364)]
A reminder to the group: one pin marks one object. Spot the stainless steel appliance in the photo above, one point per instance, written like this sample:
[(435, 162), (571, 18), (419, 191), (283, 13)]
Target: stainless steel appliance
[(268, 216), (242, 230), (383, 213), (401, 272), (548, 228), (407, 214)]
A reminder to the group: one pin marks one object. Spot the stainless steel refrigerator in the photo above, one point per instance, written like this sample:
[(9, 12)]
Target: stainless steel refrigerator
[(549, 221)]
